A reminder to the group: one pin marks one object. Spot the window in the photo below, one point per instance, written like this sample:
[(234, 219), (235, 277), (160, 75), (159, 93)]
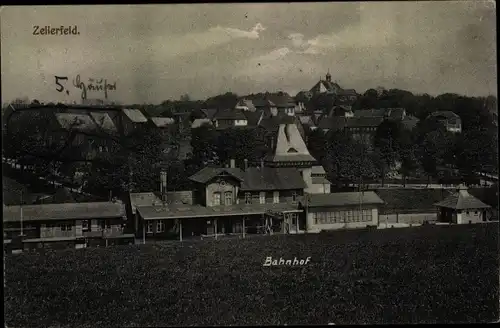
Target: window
[(255, 198), (294, 197), (367, 215), (248, 198), (85, 225), (228, 198), (100, 149), (149, 227), (216, 198), (66, 227), (276, 197), (160, 226), (262, 199)]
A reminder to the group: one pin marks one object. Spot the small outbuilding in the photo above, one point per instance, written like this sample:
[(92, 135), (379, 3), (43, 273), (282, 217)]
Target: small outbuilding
[(462, 207)]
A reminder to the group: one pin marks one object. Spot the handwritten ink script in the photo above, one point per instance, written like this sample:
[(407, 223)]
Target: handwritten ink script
[(94, 85)]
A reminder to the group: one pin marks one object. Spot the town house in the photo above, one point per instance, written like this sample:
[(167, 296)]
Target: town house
[(450, 120)]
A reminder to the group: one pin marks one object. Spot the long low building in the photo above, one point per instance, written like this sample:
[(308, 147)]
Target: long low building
[(63, 225), (344, 210)]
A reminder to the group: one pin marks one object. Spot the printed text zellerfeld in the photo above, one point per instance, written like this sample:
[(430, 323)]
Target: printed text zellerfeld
[(61, 30)]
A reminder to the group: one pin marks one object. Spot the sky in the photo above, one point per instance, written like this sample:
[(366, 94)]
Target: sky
[(160, 52)]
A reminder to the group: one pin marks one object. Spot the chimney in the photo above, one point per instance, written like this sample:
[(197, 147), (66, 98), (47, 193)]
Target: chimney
[(163, 186), (246, 164), (232, 163)]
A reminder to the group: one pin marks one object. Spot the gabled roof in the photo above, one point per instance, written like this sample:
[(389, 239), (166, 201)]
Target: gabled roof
[(135, 115), (344, 199), (42, 212), (208, 173), (306, 120), (257, 178), (364, 122), (334, 123), (230, 114), (397, 114), (318, 169), (246, 103), (461, 200), (78, 122), (254, 118), (209, 112), (281, 100), (447, 114), (199, 122), (406, 200), (370, 112), (348, 92), (13, 190), (162, 122), (103, 121), (410, 122)]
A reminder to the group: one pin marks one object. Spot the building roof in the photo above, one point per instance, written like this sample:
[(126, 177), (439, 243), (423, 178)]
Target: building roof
[(257, 178), (281, 100), (198, 211), (370, 112), (79, 122), (348, 92), (200, 121), (246, 103), (208, 173), (230, 114), (12, 191), (447, 114), (306, 120), (318, 169), (104, 121), (461, 200), (209, 112), (320, 181), (397, 114), (162, 122), (68, 211), (290, 146), (135, 115), (343, 199), (406, 200), (332, 123), (410, 122), (254, 118), (364, 122)]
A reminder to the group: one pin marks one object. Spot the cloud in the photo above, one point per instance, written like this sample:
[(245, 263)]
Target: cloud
[(218, 33)]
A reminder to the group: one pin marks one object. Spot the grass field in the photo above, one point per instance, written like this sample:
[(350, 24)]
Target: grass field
[(427, 275)]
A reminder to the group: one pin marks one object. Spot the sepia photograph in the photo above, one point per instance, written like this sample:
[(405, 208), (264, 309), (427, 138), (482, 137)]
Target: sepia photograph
[(250, 164)]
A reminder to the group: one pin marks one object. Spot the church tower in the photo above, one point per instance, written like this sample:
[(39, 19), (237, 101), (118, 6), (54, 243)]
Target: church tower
[(328, 77)]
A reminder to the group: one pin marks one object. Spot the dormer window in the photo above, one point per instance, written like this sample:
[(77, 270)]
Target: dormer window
[(292, 150)]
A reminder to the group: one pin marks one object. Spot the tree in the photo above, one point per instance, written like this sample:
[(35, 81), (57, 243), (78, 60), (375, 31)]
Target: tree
[(387, 144), (204, 147), (225, 101), (408, 156), (316, 143), (185, 98), (241, 144)]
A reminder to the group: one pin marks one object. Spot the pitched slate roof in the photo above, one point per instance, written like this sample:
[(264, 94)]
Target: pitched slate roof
[(257, 178), (246, 103), (410, 122), (199, 122), (230, 114), (196, 211), (448, 114), (209, 112), (208, 173), (406, 200), (162, 122), (135, 115), (104, 121), (334, 123), (66, 211), (461, 200), (396, 113), (254, 118), (318, 169), (79, 122), (370, 112), (12, 191), (364, 122), (348, 92), (344, 199)]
